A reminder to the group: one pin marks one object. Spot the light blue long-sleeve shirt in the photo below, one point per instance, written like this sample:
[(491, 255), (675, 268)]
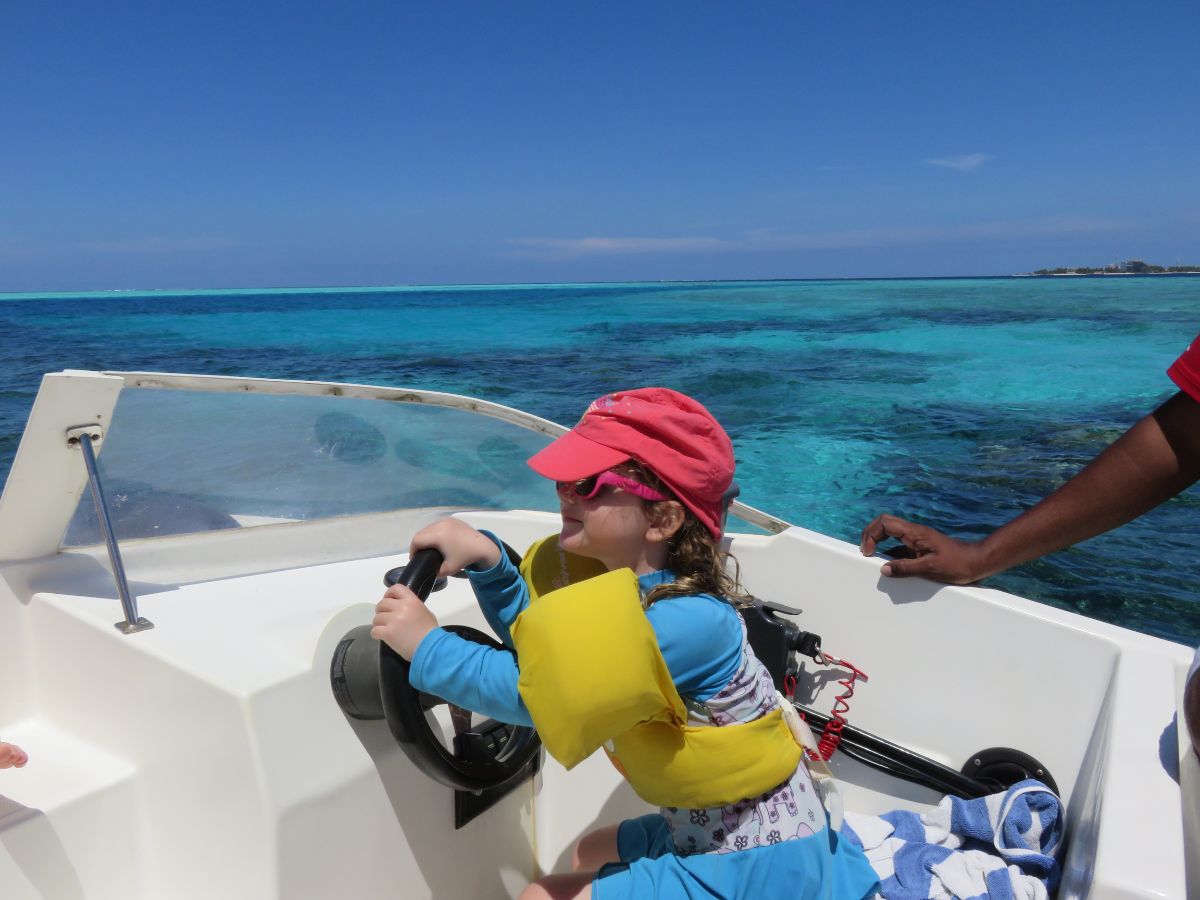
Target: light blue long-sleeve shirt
[(700, 638)]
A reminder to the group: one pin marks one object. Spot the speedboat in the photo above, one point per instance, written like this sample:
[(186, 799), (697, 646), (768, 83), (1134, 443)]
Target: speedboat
[(187, 565)]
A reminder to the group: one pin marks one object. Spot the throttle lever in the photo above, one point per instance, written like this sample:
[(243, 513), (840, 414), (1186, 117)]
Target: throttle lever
[(420, 575)]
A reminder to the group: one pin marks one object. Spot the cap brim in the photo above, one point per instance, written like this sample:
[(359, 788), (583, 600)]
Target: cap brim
[(572, 457)]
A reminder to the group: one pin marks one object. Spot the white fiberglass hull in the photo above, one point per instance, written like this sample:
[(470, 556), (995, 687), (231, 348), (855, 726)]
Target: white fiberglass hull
[(207, 757)]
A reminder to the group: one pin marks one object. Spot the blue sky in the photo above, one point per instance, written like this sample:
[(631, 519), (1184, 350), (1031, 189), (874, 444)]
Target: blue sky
[(223, 144)]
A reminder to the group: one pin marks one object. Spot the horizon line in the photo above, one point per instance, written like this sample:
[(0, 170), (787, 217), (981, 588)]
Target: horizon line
[(367, 288)]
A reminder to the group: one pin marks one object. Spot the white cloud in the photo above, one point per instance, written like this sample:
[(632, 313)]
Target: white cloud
[(963, 163), (764, 240)]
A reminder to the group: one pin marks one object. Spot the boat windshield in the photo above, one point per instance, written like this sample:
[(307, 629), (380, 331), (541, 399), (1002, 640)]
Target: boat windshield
[(186, 461)]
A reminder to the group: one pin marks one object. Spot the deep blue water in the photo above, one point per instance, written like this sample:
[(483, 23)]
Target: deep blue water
[(954, 402)]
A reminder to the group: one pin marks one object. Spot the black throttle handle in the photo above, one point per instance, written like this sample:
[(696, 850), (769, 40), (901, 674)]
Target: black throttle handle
[(420, 573)]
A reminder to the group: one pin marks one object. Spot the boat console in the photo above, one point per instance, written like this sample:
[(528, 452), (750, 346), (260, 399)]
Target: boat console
[(207, 753)]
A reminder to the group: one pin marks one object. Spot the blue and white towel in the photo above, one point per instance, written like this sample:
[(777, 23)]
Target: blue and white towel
[(999, 846)]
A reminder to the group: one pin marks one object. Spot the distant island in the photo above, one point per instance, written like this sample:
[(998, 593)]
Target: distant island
[(1129, 267)]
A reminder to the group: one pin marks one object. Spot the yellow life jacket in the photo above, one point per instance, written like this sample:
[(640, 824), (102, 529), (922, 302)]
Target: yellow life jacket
[(592, 673)]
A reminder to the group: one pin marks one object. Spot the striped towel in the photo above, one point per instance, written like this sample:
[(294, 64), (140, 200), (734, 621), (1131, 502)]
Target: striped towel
[(999, 846)]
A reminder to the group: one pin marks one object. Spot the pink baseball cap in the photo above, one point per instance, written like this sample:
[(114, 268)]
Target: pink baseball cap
[(668, 432)]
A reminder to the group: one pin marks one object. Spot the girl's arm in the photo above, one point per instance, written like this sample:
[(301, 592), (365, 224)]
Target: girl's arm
[(462, 672), (461, 546), (470, 675), (501, 591), (498, 586), (700, 638)]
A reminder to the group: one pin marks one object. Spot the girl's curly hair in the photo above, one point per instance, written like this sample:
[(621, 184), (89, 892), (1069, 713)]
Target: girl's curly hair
[(700, 564)]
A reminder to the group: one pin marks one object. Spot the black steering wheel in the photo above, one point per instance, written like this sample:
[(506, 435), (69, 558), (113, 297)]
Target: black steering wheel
[(370, 681)]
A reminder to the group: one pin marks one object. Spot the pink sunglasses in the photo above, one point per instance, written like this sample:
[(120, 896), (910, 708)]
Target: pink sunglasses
[(588, 488)]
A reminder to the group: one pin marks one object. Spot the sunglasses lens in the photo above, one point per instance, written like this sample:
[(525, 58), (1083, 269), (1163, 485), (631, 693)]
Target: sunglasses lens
[(584, 488)]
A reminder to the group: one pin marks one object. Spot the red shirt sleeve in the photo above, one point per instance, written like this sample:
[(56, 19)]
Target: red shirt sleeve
[(1185, 371)]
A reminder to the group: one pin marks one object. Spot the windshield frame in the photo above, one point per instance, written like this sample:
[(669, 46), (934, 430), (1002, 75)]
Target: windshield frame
[(43, 514)]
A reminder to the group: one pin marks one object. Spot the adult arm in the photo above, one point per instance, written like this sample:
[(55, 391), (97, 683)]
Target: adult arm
[(1153, 461)]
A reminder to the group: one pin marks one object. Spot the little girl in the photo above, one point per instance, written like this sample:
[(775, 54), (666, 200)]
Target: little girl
[(642, 482)]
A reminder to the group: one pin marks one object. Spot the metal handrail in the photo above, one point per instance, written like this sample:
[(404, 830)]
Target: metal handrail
[(82, 438)]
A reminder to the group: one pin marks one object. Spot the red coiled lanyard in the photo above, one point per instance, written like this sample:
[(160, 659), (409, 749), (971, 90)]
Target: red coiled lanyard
[(831, 735)]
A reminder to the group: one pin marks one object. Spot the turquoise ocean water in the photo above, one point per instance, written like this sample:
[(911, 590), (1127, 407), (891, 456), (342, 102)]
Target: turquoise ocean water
[(957, 402)]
